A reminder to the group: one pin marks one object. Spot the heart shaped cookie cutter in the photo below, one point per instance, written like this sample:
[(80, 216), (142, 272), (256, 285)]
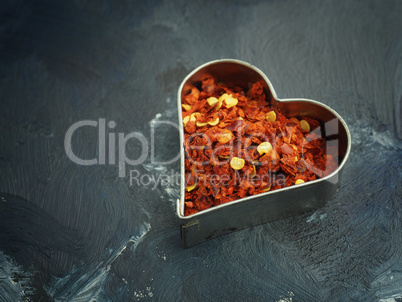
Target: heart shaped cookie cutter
[(272, 205)]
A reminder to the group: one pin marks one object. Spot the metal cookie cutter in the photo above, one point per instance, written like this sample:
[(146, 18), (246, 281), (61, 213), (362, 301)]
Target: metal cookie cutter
[(272, 205)]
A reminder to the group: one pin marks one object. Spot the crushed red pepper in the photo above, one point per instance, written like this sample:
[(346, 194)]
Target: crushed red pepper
[(237, 145)]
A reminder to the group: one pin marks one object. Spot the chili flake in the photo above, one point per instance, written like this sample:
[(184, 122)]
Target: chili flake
[(237, 145)]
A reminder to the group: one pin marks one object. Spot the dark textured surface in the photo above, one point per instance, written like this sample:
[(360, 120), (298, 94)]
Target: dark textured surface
[(81, 233)]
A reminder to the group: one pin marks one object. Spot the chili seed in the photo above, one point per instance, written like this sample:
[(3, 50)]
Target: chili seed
[(186, 107), (305, 126), (237, 163), (270, 116), (212, 101), (214, 123), (264, 147), (185, 120), (267, 189), (201, 124), (231, 102), (224, 137), (190, 188)]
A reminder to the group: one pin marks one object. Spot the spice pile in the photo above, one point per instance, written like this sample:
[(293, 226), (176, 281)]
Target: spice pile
[(237, 145)]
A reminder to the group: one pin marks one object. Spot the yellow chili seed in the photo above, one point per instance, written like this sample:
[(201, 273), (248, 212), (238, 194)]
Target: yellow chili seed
[(186, 107), (192, 117), (223, 97), (190, 188), (231, 102), (195, 116), (299, 181), (220, 101), (201, 124), (264, 147), (254, 173), (270, 116), (212, 101), (185, 120), (267, 189), (214, 123), (219, 105), (224, 137), (237, 163), (305, 126)]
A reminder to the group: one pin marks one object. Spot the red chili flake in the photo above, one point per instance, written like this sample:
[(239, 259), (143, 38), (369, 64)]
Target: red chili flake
[(222, 123)]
